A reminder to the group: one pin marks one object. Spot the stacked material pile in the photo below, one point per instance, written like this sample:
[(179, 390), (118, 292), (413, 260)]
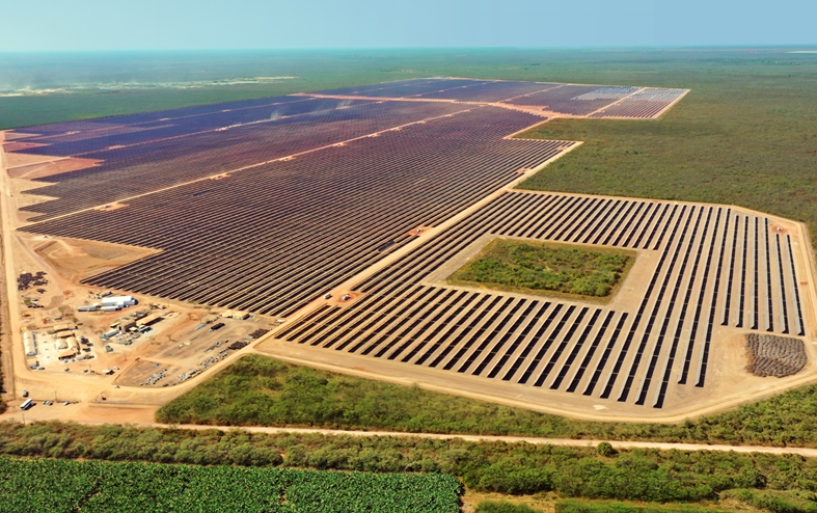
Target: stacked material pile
[(775, 356)]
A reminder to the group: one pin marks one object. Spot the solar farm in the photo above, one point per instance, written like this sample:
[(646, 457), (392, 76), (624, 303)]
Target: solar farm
[(338, 217)]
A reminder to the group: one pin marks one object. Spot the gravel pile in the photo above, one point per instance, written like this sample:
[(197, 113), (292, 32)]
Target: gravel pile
[(770, 355)]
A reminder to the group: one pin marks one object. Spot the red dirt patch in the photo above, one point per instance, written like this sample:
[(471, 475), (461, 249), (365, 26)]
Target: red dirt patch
[(336, 299), (20, 146), (778, 229), (420, 230), (111, 207), (24, 159)]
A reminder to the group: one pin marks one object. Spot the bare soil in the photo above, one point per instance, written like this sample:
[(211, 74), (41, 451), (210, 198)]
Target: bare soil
[(51, 168), (24, 159), (336, 298), (419, 231), (140, 371), (75, 259), (20, 146), (11, 136)]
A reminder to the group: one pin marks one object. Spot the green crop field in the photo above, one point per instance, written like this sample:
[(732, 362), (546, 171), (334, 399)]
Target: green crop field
[(65, 486), (542, 268)]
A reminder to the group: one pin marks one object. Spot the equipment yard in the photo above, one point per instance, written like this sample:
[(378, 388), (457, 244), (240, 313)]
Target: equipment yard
[(328, 223)]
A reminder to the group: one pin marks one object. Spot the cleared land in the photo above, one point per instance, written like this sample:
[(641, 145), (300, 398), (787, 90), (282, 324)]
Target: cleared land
[(524, 267)]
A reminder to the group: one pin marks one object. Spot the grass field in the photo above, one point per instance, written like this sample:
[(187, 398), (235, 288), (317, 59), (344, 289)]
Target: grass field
[(545, 268), (92, 486)]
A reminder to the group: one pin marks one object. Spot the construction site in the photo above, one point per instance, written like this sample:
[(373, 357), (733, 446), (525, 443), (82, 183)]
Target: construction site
[(146, 252)]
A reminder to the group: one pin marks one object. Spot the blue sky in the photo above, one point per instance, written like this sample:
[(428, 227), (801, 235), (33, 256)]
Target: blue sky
[(48, 25)]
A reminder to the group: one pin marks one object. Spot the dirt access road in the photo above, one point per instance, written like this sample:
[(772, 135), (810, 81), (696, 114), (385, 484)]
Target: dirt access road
[(96, 415)]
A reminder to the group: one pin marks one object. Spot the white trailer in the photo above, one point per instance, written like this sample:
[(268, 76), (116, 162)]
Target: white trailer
[(120, 301), (29, 344)]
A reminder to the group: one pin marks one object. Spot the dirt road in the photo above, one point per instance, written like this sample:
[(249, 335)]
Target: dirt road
[(142, 416)]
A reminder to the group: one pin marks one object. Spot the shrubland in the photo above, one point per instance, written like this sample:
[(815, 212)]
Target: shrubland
[(262, 391)]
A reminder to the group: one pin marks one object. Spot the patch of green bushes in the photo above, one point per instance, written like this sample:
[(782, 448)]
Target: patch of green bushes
[(776, 501), (536, 267), (584, 506), (504, 507)]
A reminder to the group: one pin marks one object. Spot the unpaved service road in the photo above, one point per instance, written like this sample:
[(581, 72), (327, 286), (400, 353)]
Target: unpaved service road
[(139, 416)]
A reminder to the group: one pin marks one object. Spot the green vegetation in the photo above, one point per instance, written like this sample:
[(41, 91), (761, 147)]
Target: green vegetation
[(92, 486), (258, 390), (777, 501), (520, 468), (504, 507), (545, 268), (744, 135), (582, 506), (600, 506), (605, 449)]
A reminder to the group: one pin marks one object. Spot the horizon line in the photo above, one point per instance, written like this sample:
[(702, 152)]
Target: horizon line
[(805, 47)]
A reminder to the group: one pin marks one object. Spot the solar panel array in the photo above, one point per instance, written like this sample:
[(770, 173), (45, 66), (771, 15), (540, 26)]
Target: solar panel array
[(568, 99), (647, 103), (273, 238), (194, 147), (320, 187), (571, 99), (716, 267), (141, 153)]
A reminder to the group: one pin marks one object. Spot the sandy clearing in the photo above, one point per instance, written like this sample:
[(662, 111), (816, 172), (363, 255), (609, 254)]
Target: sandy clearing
[(12, 136), (13, 160), (51, 168), (77, 259)]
